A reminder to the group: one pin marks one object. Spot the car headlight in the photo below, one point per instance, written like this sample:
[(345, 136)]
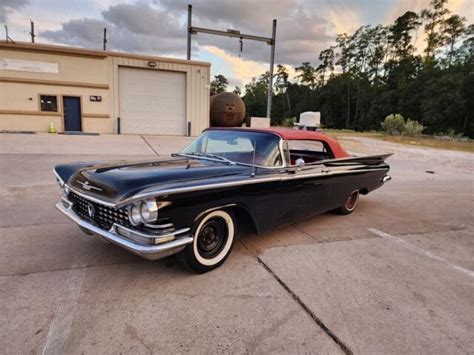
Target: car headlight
[(134, 215), (143, 212)]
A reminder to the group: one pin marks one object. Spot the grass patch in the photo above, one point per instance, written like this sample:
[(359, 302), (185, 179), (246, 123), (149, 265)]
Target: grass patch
[(418, 141), (336, 133)]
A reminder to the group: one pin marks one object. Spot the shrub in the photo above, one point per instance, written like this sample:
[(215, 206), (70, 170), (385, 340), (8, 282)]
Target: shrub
[(412, 128), (453, 134), (288, 122), (394, 124)]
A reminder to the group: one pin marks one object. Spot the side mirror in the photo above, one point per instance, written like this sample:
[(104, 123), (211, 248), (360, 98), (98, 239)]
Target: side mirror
[(299, 163)]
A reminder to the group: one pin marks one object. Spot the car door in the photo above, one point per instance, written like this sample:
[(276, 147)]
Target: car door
[(305, 192)]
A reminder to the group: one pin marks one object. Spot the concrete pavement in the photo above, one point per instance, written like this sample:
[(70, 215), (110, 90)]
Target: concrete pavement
[(328, 284)]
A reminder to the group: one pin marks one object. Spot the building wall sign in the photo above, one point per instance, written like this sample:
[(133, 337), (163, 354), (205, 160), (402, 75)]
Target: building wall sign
[(28, 65)]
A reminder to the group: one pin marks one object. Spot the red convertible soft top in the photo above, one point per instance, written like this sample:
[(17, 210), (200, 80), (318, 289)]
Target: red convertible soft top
[(296, 134)]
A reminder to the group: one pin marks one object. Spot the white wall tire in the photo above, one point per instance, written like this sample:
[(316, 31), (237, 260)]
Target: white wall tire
[(350, 204), (213, 240)]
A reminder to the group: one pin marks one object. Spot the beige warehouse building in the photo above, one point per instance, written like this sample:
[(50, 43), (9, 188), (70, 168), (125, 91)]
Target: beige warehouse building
[(100, 91)]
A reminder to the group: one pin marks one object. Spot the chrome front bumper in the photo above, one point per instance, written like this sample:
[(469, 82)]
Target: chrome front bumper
[(169, 244)]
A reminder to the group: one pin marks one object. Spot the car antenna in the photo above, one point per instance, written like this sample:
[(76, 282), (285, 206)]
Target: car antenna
[(253, 159)]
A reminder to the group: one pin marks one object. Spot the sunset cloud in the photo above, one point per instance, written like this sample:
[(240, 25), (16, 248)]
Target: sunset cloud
[(240, 68), (305, 27)]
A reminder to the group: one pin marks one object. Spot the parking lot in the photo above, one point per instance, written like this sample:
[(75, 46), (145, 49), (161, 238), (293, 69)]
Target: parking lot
[(396, 276)]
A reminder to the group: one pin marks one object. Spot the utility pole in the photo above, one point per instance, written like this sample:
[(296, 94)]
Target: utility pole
[(105, 39), (270, 79), (236, 34), (32, 31), (190, 10)]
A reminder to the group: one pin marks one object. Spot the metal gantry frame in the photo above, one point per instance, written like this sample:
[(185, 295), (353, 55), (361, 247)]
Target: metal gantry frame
[(236, 34)]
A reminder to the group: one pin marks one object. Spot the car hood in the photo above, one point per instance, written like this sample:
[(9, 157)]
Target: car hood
[(119, 180)]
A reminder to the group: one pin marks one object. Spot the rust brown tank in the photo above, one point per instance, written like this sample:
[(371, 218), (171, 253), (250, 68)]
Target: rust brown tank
[(227, 110)]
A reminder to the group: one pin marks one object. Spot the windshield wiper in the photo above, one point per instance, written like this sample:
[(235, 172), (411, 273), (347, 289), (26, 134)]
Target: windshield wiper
[(208, 155), (224, 159)]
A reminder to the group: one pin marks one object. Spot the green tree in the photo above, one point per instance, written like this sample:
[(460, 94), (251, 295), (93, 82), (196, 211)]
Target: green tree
[(434, 19), (306, 74), (237, 91), (326, 57), (219, 84), (255, 97), (378, 40), (400, 35), (281, 87), (454, 28), (465, 53), (281, 78), (343, 55)]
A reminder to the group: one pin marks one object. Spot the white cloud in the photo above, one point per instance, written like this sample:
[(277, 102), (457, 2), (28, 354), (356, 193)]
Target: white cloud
[(305, 27), (8, 6), (240, 68)]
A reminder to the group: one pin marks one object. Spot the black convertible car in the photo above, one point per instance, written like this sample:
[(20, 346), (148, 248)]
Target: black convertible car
[(194, 202)]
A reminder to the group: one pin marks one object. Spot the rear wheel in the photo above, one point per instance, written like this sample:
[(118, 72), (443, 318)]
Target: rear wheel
[(350, 205), (213, 239)]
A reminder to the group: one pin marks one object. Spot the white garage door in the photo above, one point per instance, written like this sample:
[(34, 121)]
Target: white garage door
[(152, 101)]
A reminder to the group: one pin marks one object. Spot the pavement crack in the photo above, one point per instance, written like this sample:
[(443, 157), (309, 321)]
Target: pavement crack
[(307, 310), (133, 333), (317, 241), (149, 145)]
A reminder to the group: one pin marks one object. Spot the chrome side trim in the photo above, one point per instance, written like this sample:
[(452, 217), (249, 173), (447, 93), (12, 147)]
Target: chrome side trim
[(250, 181), (386, 178), (150, 252)]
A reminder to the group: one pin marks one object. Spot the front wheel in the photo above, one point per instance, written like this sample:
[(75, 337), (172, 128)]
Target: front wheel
[(350, 205), (213, 239)]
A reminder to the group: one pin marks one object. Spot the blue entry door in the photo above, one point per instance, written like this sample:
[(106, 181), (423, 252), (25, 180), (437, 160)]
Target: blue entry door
[(72, 113)]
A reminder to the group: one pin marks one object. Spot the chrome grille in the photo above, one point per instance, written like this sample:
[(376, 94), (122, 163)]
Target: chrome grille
[(103, 217)]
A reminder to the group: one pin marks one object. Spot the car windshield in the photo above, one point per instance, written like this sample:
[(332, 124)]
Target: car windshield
[(238, 146)]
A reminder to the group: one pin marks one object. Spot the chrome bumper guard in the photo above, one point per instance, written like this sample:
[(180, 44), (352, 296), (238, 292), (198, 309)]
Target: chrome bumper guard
[(148, 246)]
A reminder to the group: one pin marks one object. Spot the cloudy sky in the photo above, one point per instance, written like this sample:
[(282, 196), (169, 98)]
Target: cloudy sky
[(305, 27)]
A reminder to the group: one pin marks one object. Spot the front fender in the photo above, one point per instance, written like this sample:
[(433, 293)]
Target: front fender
[(64, 171)]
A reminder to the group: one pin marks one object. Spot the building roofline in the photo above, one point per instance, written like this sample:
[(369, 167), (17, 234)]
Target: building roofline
[(83, 52)]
